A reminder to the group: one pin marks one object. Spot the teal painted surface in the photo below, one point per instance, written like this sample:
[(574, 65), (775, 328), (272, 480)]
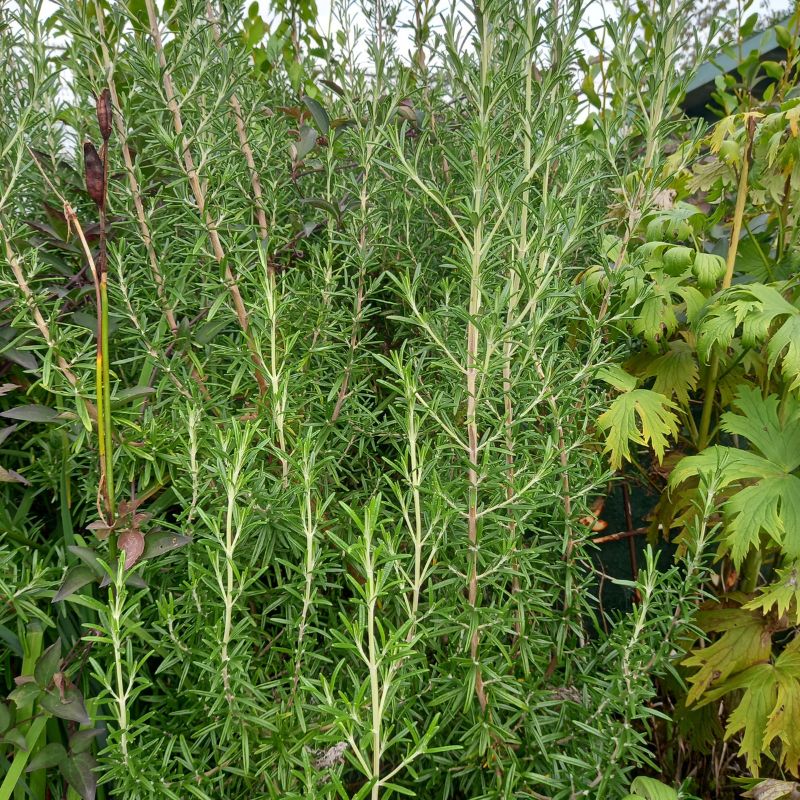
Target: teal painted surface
[(762, 42)]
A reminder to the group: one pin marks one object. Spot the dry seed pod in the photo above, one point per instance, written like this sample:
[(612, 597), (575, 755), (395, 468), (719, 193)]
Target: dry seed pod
[(104, 113), (93, 166)]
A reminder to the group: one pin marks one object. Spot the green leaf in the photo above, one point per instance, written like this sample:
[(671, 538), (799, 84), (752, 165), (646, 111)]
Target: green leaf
[(651, 789), (305, 144), (51, 755), (784, 37), (158, 543), (769, 500), (708, 269), (47, 664), (14, 737), (771, 505), (784, 345), (656, 319), (126, 395), (676, 372), (5, 717), (656, 423), (24, 693), (76, 578), (319, 114), (677, 259), (78, 771), (615, 376), (208, 331), (776, 440), (745, 641), (89, 557), (757, 308), (71, 707), (31, 413), (81, 741)]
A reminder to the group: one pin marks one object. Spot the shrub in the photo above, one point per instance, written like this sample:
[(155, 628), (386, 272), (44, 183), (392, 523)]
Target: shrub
[(303, 394)]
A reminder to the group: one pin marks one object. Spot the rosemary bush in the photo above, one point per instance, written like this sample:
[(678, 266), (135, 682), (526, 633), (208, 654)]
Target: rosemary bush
[(304, 401)]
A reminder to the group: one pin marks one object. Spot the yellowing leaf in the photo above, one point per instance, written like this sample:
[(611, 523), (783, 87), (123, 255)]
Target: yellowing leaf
[(744, 643), (770, 709), (784, 721), (780, 594), (640, 416), (772, 789), (751, 715), (792, 116), (675, 372), (725, 127)]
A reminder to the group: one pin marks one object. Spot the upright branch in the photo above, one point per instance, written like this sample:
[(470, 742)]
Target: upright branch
[(704, 431), (200, 199), (244, 143), (127, 159), (480, 159), (38, 319), (513, 300)]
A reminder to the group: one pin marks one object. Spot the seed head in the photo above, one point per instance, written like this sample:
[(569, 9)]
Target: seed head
[(93, 166), (104, 113)]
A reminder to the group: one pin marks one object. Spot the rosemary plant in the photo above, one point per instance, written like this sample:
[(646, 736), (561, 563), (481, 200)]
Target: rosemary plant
[(354, 389)]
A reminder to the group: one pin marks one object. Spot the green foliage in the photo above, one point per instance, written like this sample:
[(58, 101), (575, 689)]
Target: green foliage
[(699, 286), (303, 394)]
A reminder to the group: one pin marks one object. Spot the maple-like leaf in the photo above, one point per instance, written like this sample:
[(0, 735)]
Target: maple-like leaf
[(641, 416), (768, 499), (784, 721), (675, 371), (757, 308), (769, 709), (745, 643)]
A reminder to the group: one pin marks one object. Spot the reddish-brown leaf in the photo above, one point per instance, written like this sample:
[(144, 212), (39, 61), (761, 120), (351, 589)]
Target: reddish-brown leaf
[(132, 542)]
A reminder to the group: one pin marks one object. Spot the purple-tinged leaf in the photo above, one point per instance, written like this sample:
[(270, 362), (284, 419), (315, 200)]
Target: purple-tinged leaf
[(81, 741), (51, 755), (47, 664), (78, 771), (31, 413), (76, 578), (71, 707)]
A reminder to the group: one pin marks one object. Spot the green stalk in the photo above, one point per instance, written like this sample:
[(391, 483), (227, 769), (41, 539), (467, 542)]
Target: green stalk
[(106, 382), (34, 637), (14, 774), (733, 246), (750, 571)]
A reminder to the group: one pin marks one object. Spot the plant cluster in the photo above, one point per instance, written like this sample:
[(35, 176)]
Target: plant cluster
[(703, 290), (304, 369)]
